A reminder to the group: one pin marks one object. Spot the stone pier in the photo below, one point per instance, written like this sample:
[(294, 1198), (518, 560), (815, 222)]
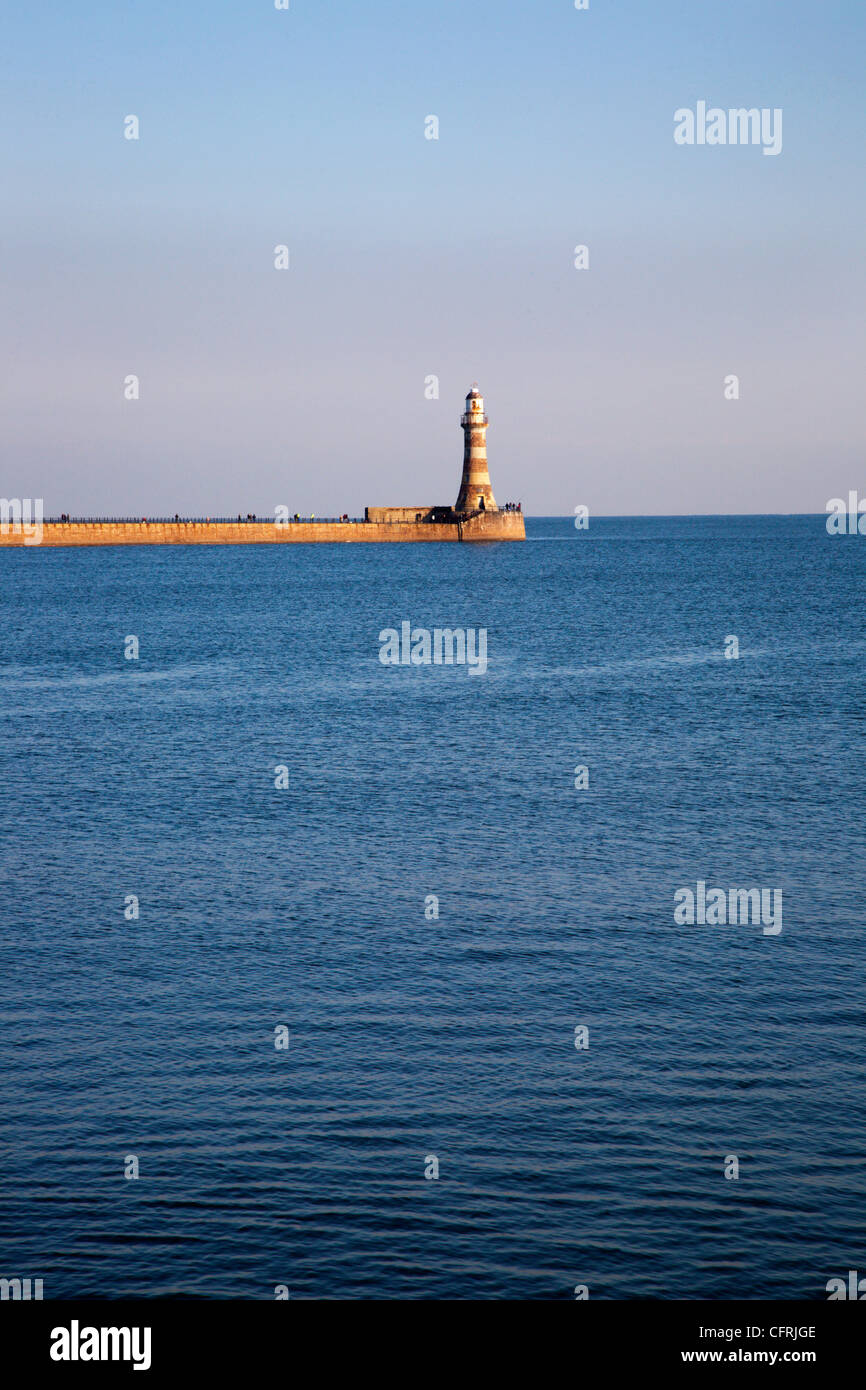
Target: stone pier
[(495, 526)]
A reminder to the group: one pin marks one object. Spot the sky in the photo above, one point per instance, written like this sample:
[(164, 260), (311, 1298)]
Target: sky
[(412, 258)]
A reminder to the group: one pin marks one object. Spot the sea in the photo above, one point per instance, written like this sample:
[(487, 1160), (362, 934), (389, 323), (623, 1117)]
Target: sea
[(329, 978)]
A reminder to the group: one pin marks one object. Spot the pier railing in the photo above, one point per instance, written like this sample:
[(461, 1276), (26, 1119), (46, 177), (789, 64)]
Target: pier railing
[(66, 520), (196, 520)]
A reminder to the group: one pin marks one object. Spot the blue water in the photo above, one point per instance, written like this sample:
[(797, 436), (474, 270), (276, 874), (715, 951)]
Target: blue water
[(410, 1037)]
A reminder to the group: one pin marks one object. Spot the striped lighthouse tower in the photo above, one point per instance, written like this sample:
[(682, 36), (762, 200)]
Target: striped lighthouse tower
[(475, 492)]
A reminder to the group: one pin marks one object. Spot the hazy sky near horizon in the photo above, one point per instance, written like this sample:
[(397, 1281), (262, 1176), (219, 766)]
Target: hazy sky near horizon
[(413, 257)]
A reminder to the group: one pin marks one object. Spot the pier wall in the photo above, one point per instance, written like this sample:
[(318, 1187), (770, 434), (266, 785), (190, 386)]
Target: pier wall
[(496, 526)]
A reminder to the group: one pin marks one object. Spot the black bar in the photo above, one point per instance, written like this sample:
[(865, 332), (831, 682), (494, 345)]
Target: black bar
[(222, 1338)]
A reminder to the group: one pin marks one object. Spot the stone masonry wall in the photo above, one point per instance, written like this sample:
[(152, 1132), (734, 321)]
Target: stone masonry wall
[(496, 526)]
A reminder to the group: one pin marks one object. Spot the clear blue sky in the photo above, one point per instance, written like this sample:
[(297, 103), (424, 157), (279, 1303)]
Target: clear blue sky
[(412, 257)]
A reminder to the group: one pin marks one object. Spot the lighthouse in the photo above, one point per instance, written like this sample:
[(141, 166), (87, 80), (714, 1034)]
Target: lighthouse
[(474, 516), (476, 494)]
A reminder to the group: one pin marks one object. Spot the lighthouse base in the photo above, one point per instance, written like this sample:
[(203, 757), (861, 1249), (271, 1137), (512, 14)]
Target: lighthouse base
[(493, 526), (449, 524)]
